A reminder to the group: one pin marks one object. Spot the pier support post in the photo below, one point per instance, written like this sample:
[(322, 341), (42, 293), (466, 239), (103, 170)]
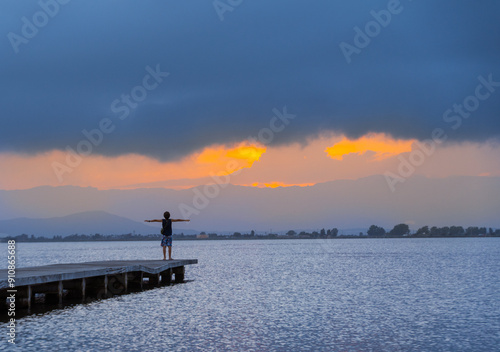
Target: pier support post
[(154, 279), (50, 291), (166, 277), (24, 297), (29, 291), (179, 274), (106, 286), (75, 289), (134, 280), (60, 292), (84, 286)]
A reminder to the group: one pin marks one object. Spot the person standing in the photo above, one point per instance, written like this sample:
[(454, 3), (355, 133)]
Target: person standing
[(166, 241)]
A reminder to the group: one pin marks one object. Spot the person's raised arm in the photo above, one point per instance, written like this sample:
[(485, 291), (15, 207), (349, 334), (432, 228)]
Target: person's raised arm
[(154, 220), (179, 220)]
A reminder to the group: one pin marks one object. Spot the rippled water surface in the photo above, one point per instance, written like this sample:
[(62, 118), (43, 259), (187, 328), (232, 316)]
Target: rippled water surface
[(284, 295)]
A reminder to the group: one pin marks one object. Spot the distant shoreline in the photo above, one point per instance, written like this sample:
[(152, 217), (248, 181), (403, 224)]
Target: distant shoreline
[(399, 231), (153, 238)]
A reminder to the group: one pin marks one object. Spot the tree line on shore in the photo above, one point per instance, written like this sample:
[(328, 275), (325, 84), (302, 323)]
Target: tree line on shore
[(374, 231), (403, 230)]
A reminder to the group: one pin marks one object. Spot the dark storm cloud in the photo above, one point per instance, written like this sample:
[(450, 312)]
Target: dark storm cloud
[(225, 77)]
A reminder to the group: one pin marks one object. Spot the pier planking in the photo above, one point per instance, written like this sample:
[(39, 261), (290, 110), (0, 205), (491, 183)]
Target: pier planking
[(63, 272), (90, 280)]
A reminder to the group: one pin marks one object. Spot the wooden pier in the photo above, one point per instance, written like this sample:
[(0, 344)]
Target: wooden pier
[(89, 281)]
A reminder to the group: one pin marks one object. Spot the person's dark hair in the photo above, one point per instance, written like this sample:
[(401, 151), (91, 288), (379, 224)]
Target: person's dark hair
[(166, 215)]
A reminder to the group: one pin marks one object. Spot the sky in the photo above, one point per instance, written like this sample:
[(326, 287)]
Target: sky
[(126, 94)]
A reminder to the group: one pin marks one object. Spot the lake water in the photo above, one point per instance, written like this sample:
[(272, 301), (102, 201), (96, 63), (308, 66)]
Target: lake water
[(283, 295)]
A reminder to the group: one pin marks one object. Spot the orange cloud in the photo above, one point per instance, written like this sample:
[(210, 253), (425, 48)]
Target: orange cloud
[(123, 171), (277, 166), (246, 153), (382, 145)]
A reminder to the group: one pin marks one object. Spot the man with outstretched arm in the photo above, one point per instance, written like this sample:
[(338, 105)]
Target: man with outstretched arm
[(166, 241)]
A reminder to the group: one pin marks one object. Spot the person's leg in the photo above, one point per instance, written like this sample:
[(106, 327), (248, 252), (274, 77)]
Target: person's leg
[(169, 244), (165, 253)]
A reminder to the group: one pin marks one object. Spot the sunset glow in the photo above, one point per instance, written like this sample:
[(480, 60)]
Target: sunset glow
[(244, 152), (259, 166), (383, 146), (126, 171)]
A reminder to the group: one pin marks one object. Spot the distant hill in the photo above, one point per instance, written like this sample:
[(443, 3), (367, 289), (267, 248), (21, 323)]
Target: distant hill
[(89, 222), (344, 204)]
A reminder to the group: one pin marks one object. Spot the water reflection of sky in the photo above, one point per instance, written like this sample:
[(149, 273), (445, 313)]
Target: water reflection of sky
[(297, 295)]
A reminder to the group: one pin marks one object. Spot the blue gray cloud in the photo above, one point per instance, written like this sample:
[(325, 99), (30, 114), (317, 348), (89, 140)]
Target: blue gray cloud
[(225, 77)]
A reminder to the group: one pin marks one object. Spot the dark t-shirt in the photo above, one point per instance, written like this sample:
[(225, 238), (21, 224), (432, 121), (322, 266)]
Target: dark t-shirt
[(167, 227)]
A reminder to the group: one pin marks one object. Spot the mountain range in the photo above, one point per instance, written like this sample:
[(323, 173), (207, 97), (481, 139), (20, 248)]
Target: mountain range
[(90, 222), (464, 201)]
